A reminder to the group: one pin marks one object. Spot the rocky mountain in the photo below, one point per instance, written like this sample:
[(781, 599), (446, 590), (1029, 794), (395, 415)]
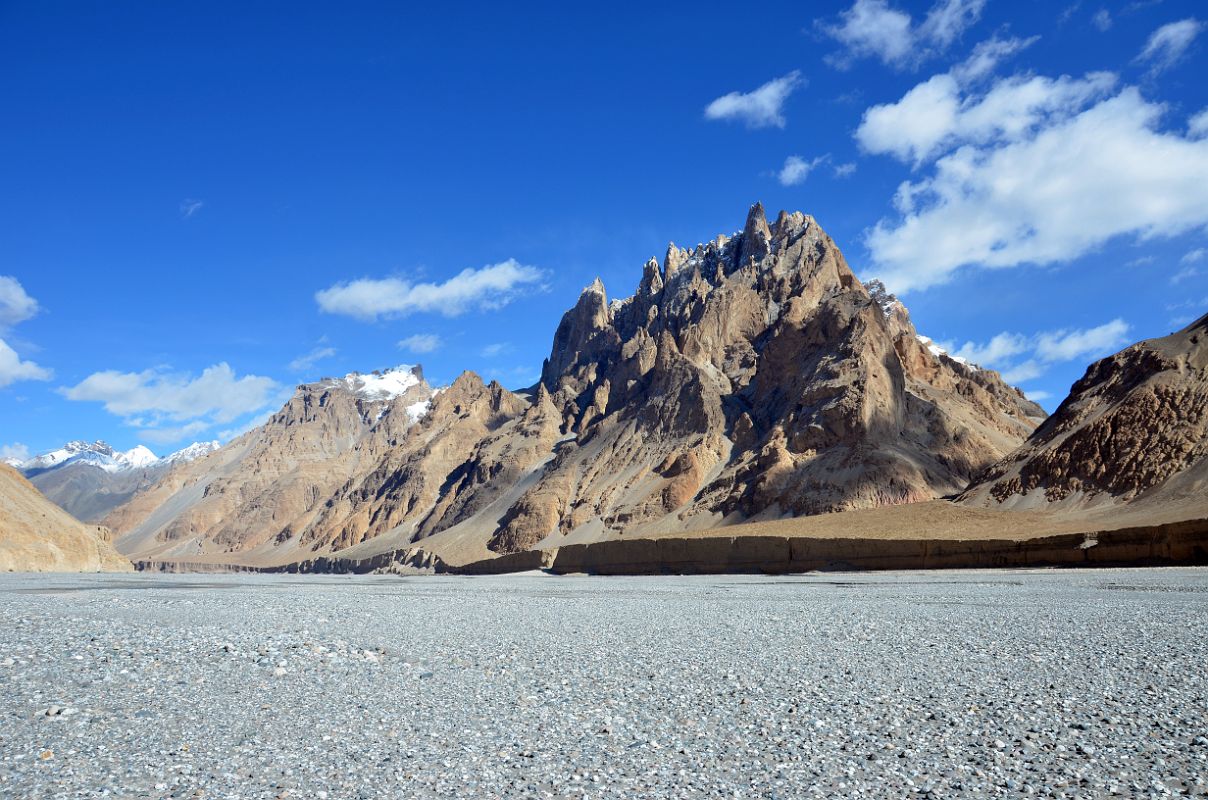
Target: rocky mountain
[(1133, 430), (89, 479), (752, 377), (263, 491), (38, 536)]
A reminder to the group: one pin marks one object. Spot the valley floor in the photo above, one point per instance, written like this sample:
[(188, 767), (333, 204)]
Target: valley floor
[(1059, 683)]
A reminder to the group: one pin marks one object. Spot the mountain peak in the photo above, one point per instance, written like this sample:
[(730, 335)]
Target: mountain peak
[(380, 384)]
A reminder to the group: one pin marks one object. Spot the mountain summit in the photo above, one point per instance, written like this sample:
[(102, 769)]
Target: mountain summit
[(750, 377)]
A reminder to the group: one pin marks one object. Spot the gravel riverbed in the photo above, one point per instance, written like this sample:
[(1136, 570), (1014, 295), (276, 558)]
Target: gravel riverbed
[(940, 684)]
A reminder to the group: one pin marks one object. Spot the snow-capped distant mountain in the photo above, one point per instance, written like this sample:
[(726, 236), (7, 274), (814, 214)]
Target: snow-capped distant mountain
[(87, 479), (101, 455)]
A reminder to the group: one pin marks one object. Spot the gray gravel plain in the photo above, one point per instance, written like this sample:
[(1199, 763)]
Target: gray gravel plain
[(940, 684)]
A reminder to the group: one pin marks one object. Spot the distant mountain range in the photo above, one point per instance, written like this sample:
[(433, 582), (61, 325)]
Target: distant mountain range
[(88, 479)]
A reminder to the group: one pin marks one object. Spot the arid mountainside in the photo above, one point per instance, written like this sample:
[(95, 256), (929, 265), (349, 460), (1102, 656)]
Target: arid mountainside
[(266, 488), (1133, 430), (38, 536), (753, 377)]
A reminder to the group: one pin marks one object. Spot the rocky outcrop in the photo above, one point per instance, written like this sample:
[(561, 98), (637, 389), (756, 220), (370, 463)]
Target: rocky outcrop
[(753, 376), (1133, 429), (38, 536)]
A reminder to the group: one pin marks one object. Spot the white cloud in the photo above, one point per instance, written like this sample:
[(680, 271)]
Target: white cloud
[(1022, 372), (149, 398), (845, 170), (421, 343), (873, 28), (13, 369), (935, 116), (1002, 346), (1043, 349), (496, 349), (987, 55), (15, 451), (1197, 126), (761, 108), (948, 19), (487, 288), (796, 169), (1068, 345), (1102, 20), (1024, 180), (304, 363), (15, 305), (189, 207), (1036, 395), (1167, 45), (1189, 260)]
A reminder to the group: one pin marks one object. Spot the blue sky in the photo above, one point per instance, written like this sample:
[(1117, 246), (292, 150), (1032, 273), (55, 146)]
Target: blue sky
[(206, 204)]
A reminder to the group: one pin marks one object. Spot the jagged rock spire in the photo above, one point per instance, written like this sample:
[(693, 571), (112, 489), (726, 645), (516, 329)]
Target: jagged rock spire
[(756, 235)]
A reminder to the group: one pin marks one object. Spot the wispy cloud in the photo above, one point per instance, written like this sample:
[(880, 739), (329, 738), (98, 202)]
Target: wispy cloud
[(421, 343), (875, 29), (1168, 44), (487, 288), (189, 207), (304, 363), (845, 170), (1102, 20), (496, 349), (1041, 350), (1189, 265), (761, 108), (796, 169)]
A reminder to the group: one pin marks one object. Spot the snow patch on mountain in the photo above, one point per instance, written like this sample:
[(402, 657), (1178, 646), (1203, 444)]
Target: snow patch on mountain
[(416, 411), (938, 351), (380, 384), (192, 452)]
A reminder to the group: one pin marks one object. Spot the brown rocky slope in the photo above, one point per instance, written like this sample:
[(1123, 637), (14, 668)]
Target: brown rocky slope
[(1134, 430), (752, 378), (38, 536)]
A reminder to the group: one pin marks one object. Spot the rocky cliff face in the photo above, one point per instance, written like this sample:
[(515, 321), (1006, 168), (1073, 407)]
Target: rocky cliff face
[(38, 536), (1133, 429), (752, 377)]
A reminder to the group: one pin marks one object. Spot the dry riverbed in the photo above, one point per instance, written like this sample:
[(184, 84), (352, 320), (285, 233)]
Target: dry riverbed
[(942, 684)]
